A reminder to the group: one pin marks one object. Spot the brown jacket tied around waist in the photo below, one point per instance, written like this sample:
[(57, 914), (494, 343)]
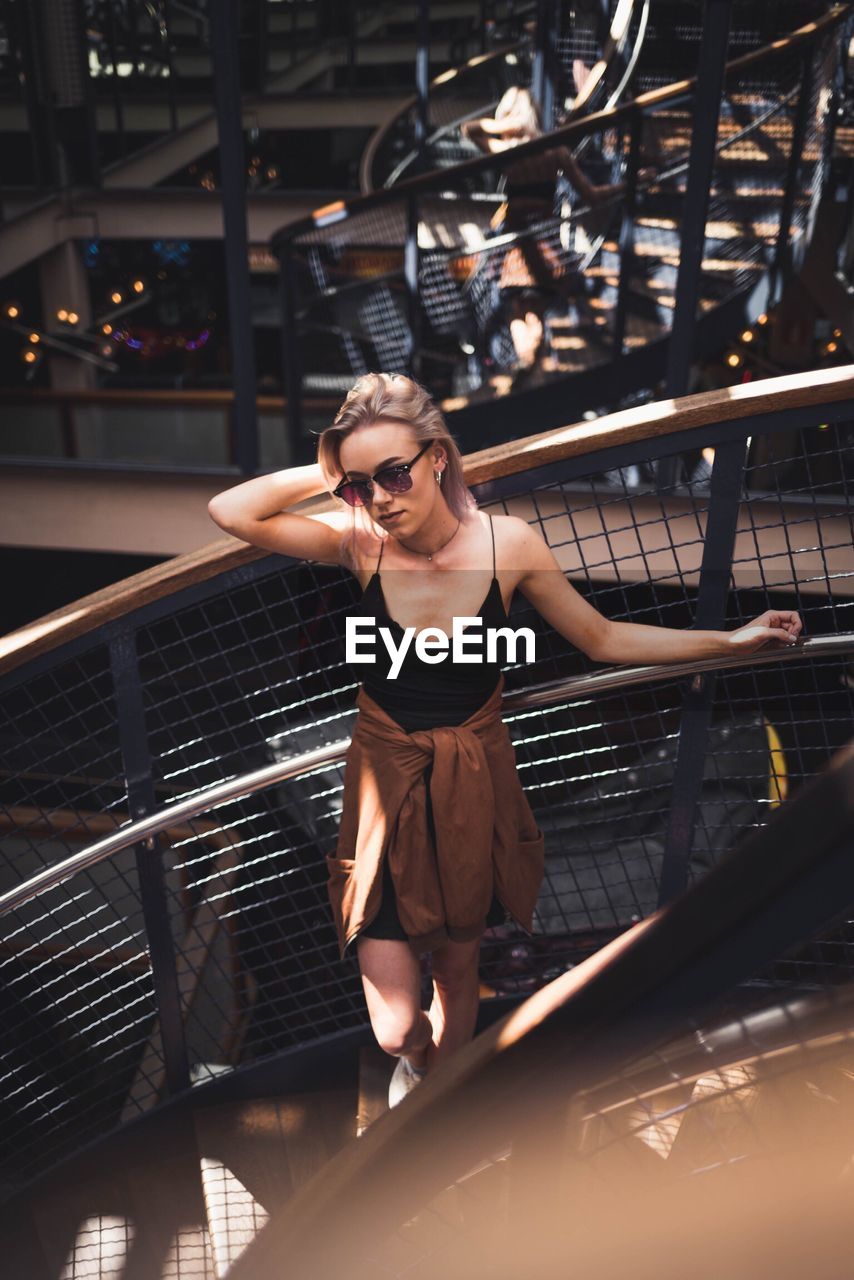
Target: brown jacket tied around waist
[(486, 835)]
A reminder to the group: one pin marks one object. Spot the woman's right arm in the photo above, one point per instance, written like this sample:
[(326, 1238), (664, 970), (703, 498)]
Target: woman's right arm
[(256, 512)]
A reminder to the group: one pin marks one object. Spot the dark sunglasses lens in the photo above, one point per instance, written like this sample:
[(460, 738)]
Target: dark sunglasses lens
[(355, 495), (394, 480)]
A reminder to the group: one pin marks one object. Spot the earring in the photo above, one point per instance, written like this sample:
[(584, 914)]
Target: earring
[(438, 476)]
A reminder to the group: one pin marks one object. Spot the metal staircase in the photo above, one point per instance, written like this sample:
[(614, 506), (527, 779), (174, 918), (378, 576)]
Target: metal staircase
[(415, 277), (183, 1046)]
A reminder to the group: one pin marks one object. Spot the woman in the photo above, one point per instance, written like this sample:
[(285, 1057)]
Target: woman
[(437, 841)]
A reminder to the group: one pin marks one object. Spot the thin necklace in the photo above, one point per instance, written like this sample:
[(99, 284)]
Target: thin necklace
[(435, 552)]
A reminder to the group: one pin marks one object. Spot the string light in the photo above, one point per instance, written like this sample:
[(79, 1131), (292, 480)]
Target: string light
[(73, 317), (106, 329), (12, 310), (30, 357), (763, 319), (837, 333), (747, 336), (733, 360), (62, 315), (34, 338), (138, 286), (831, 347), (115, 297)]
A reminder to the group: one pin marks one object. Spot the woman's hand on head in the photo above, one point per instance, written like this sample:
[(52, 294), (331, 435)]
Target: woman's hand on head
[(779, 628)]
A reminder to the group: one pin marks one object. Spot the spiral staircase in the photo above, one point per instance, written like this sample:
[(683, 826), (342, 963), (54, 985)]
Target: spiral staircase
[(190, 1087), (187, 1064), (414, 276)]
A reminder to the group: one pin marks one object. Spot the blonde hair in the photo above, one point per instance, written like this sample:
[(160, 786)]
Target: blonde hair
[(393, 397)]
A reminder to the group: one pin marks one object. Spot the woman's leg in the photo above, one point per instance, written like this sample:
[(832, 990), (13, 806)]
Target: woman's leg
[(456, 994), (391, 978)]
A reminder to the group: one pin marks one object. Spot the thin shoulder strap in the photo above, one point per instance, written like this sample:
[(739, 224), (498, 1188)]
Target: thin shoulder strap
[(492, 530), (382, 549)]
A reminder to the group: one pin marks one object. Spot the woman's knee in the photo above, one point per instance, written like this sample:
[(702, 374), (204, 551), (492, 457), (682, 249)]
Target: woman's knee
[(455, 967), (391, 978), (400, 1032)]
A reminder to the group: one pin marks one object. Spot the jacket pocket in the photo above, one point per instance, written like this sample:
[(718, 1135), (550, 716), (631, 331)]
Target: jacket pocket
[(340, 887), (519, 877)]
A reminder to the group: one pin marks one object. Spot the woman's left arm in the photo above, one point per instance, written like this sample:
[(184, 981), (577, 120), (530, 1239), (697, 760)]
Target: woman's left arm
[(543, 583)]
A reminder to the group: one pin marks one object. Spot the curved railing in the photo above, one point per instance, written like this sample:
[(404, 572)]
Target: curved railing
[(208, 942), (601, 1099), (475, 88), (416, 278), (553, 694)]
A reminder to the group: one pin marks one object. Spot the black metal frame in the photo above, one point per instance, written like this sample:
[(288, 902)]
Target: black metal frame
[(225, 30), (124, 664)]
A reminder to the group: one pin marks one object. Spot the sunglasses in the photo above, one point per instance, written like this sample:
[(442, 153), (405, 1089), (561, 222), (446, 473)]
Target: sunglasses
[(396, 479)]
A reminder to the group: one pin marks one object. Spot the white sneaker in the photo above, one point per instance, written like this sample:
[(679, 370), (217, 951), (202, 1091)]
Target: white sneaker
[(403, 1080)]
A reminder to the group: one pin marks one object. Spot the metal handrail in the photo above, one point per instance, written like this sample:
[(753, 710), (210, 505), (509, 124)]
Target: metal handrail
[(613, 45), (143, 830)]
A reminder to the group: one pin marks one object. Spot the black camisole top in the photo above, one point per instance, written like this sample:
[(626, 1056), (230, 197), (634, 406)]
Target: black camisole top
[(428, 695)]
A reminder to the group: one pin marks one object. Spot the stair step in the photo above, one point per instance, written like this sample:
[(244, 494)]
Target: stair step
[(131, 1208), (716, 228), (256, 1155), (375, 1068)]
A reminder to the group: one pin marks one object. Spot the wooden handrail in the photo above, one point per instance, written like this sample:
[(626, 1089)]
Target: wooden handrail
[(574, 129), (643, 422), (530, 1050)]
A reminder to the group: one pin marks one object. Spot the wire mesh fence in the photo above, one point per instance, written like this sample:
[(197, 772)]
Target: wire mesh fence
[(246, 669)]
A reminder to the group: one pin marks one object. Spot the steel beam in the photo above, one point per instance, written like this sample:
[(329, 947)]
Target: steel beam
[(225, 33)]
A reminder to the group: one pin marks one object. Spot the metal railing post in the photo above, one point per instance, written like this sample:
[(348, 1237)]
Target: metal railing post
[(543, 71), (422, 80), (291, 371), (782, 252), (707, 103), (627, 234), (715, 571), (410, 278), (136, 757)]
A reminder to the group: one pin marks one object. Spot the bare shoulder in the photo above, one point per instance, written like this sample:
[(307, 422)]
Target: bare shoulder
[(518, 545)]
